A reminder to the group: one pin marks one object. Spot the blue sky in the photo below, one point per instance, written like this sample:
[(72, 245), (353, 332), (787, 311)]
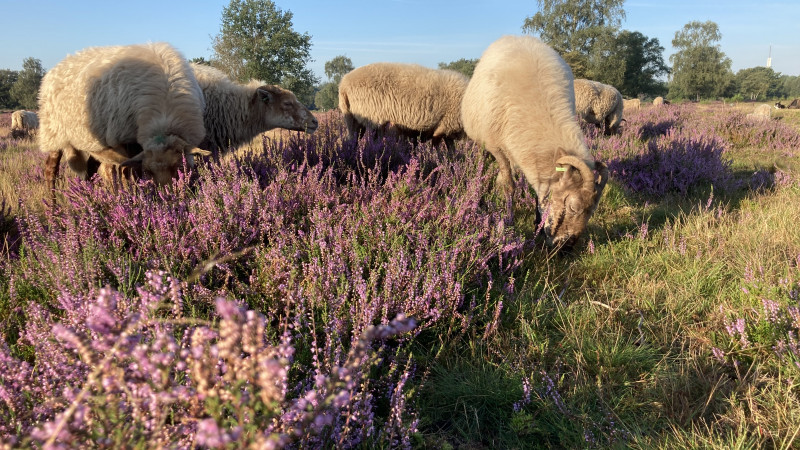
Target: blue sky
[(420, 31)]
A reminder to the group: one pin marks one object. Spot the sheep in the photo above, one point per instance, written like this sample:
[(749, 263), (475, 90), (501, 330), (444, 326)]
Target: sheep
[(658, 101), (600, 104), (236, 113), (103, 101), (520, 106), (779, 105), (761, 112), (407, 98), (24, 124), (633, 104)]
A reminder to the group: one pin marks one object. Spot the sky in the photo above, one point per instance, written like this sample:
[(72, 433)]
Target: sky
[(425, 32)]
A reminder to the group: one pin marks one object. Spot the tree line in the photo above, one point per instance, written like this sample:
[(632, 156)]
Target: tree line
[(257, 41)]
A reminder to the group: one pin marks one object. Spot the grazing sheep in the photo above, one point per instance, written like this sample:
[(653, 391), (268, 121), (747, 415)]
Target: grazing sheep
[(102, 101), (658, 101), (408, 98), (237, 113), (762, 112), (779, 105), (520, 105), (24, 124), (633, 104), (600, 104)]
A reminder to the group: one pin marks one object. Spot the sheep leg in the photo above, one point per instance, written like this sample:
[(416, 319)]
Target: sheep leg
[(505, 182), (51, 169)]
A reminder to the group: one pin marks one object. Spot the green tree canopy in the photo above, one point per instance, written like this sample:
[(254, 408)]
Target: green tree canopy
[(338, 67), (256, 41), (465, 66), (327, 97), (631, 62), (789, 86), (757, 83), (7, 79), (700, 69), (25, 90), (572, 27)]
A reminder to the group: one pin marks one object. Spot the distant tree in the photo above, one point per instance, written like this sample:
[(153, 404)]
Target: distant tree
[(201, 60), (789, 86), (256, 41), (338, 67), (572, 27), (757, 83), (327, 96), (7, 79), (25, 90), (700, 68), (631, 62), (465, 66)]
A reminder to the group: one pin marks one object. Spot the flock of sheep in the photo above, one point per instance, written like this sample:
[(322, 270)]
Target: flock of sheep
[(144, 109)]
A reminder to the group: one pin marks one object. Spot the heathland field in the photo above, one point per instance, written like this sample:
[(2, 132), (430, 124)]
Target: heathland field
[(314, 292)]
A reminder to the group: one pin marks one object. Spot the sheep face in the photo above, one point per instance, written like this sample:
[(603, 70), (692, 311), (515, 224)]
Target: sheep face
[(163, 157), (280, 109), (573, 200)]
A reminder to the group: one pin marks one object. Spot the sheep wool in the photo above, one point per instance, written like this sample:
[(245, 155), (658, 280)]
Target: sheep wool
[(520, 105), (24, 123), (414, 99), (102, 100)]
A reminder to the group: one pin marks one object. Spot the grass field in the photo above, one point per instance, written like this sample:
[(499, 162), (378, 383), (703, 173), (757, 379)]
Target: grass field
[(313, 292)]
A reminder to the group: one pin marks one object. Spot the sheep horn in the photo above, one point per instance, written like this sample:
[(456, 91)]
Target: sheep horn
[(583, 168)]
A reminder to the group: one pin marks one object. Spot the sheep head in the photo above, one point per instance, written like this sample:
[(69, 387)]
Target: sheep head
[(573, 199), (280, 108), (162, 157)]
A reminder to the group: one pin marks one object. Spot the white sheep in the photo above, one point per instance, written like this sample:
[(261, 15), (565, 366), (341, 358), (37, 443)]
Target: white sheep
[(761, 112), (237, 113), (412, 99), (24, 123), (633, 104), (600, 104), (658, 101), (520, 105), (101, 101)]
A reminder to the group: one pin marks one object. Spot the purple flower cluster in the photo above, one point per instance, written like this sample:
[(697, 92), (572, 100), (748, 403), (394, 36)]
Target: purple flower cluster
[(119, 370)]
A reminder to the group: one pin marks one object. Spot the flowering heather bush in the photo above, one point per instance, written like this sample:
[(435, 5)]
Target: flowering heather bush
[(773, 328), (325, 239), (664, 150), (180, 382), (766, 135)]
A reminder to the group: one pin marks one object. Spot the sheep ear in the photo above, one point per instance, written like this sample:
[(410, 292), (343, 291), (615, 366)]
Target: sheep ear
[(136, 161), (199, 152), (264, 95)]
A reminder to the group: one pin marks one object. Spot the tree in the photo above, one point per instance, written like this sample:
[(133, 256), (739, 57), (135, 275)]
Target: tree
[(699, 67), (25, 90), (328, 96), (256, 41), (200, 60), (789, 86), (631, 62), (757, 82), (7, 79), (338, 67), (465, 66), (572, 27)]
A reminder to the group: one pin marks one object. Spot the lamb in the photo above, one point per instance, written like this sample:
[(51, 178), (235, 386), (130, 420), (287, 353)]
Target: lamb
[(237, 113), (600, 104), (408, 98), (103, 101), (520, 105), (24, 124)]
